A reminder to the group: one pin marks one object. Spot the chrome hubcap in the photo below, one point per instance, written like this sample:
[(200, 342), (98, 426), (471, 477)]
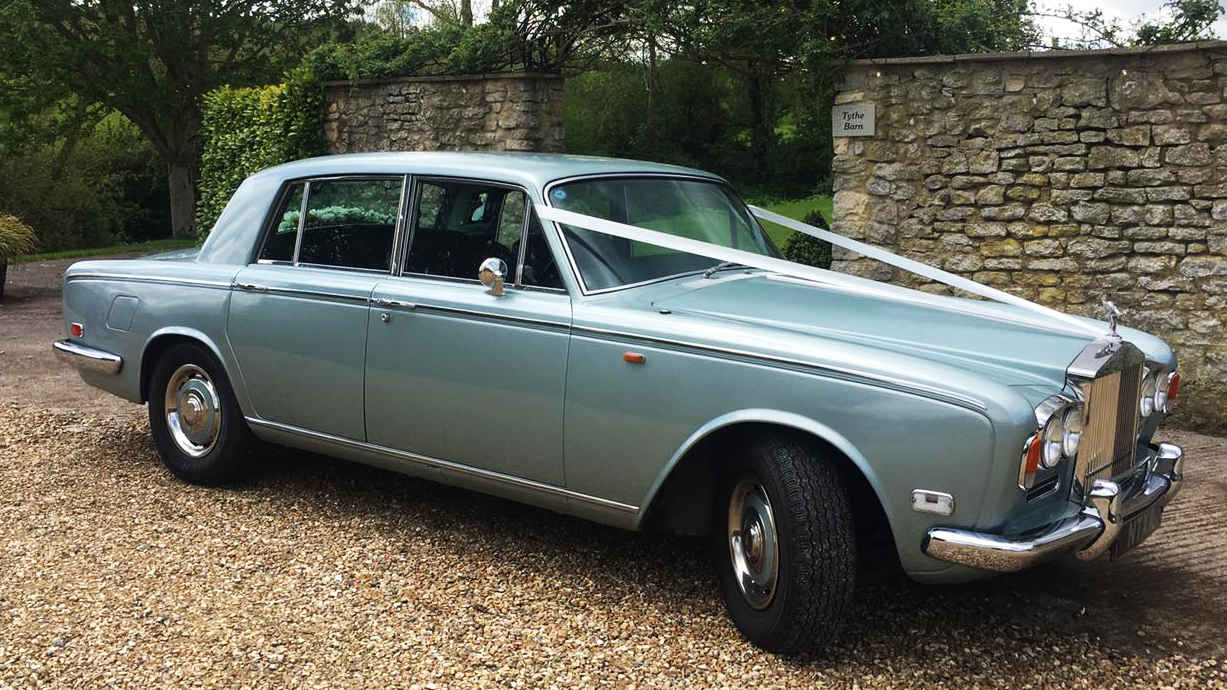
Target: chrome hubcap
[(753, 545), (193, 410)]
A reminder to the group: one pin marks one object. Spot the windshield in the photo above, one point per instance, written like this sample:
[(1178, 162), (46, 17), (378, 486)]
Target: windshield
[(693, 209)]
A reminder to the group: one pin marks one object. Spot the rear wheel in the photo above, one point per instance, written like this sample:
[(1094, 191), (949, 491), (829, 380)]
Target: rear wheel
[(196, 422), (785, 544)]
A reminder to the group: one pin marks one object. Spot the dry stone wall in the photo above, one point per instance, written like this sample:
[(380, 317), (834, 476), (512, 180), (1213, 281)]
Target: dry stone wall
[(1064, 178), (501, 112)]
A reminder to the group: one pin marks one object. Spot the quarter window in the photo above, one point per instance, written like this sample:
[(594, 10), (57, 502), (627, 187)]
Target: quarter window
[(280, 244)]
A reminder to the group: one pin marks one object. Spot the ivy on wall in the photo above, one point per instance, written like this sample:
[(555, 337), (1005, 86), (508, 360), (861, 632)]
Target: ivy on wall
[(247, 130)]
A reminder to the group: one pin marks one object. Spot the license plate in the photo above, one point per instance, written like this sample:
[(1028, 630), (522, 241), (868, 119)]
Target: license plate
[(1136, 529)]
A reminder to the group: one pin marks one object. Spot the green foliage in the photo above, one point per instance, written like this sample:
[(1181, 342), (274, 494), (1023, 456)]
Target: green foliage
[(101, 186), (153, 62), (807, 249), (16, 237), (247, 130), (1182, 21), (441, 48)]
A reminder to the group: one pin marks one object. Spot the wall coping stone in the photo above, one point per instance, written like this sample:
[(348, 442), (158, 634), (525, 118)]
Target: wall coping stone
[(1042, 54), (444, 77)]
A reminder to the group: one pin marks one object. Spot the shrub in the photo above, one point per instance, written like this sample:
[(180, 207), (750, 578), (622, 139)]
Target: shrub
[(247, 130), (337, 215), (105, 185), (15, 238), (807, 249)]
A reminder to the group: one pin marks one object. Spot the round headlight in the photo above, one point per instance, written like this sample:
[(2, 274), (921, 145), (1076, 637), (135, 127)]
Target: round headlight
[(1054, 442), (1073, 432), (1162, 383), (1149, 386)]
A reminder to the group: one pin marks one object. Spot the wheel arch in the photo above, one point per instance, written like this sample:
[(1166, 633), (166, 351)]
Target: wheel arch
[(687, 480), (166, 338)]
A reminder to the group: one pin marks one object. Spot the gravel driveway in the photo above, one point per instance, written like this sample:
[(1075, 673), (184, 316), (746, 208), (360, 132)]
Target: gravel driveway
[(320, 573)]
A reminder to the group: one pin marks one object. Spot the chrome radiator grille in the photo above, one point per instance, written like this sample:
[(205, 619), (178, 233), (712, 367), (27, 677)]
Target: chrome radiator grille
[(1109, 440)]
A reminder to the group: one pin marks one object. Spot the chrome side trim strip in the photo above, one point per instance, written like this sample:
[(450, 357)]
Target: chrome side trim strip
[(186, 282), (891, 382), (435, 463), (87, 358), (457, 311), (298, 292)]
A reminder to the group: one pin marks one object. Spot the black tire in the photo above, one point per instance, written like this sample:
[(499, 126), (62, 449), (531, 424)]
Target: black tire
[(816, 544), (227, 455)]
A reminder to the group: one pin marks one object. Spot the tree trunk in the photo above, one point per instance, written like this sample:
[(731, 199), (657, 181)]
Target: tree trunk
[(653, 134), (182, 198), (466, 12), (761, 124)]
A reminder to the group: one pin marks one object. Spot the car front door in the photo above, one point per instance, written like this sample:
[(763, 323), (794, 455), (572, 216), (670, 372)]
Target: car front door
[(454, 372), (298, 315)]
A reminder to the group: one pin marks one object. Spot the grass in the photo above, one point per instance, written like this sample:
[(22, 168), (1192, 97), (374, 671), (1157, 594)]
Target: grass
[(142, 248), (796, 209)]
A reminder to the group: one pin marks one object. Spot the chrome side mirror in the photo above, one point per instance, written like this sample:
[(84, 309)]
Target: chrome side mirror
[(491, 275)]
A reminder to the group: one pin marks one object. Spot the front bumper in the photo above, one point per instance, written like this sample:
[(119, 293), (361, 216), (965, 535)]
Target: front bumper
[(87, 358), (1089, 534)]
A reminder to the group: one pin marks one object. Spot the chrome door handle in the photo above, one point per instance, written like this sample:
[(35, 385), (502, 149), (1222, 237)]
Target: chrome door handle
[(396, 304), (251, 287)]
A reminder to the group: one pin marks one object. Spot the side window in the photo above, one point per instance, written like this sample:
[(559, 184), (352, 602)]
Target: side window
[(460, 224), (280, 244), (350, 223)]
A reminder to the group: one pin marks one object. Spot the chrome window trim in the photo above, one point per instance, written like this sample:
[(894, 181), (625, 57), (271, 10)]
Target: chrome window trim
[(185, 282), (892, 382), (566, 247), (302, 221), (436, 463)]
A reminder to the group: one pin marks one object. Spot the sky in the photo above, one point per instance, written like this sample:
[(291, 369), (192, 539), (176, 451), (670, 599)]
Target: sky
[(1125, 10)]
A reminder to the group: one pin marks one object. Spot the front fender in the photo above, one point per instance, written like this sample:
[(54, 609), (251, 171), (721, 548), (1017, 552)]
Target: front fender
[(778, 418)]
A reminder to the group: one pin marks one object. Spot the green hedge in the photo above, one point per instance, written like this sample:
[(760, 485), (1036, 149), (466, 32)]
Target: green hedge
[(247, 130)]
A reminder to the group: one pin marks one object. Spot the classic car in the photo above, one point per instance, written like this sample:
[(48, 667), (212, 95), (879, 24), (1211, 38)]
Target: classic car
[(418, 312)]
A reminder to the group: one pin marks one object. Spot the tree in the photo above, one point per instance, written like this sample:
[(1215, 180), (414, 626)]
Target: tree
[(1182, 21), (153, 62)]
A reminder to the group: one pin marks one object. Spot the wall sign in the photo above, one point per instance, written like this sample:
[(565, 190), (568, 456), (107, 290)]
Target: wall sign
[(853, 120)]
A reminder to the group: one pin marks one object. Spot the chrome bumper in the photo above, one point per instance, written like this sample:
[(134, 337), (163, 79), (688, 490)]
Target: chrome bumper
[(1088, 535), (87, 358)]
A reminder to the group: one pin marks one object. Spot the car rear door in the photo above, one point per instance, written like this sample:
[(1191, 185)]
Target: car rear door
[(298, 315), (455, 373)]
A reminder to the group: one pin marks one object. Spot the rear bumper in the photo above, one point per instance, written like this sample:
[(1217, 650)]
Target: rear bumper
[(1089, 534), (87, 358)]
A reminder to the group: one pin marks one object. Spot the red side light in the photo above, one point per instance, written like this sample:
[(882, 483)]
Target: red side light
[(76, 330), (634, 357), (1173, 389)]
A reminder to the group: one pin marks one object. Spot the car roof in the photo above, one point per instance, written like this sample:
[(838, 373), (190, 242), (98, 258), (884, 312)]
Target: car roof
[(529, 169)]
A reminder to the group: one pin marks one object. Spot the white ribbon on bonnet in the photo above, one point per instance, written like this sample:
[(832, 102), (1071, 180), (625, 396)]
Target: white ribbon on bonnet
[(1049, 319)]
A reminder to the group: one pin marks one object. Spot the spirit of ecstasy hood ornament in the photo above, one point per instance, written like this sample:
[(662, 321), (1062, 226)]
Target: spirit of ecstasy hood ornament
[(1114, 313)]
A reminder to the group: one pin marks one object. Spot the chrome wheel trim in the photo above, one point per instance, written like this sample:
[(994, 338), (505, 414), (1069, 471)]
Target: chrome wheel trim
[(753, 542), (193, 411)]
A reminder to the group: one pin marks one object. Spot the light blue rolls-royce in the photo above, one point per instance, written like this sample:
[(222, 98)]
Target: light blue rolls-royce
[(411, 311)]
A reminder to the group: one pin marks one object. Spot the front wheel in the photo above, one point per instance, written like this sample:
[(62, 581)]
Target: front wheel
[(196, 422), (785, 544)]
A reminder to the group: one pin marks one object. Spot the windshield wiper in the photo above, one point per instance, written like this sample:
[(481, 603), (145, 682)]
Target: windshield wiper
[(720, 267)]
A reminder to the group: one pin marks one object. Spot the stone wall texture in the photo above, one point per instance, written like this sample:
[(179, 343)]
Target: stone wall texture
[(1060, 177), (500, 112)]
